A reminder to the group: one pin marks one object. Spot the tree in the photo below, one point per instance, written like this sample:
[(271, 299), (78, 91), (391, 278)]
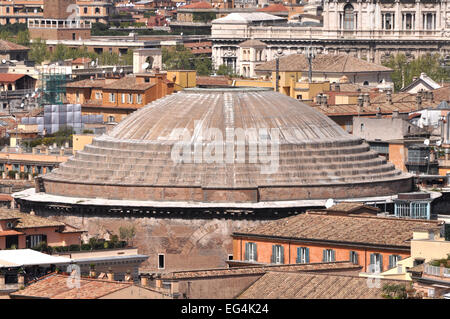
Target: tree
[(38, 51), (23, 38), (177, 58), (127, 233), (203, 65), (405, 71), (224, 70)]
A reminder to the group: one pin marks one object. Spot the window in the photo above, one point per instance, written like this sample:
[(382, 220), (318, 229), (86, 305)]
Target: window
[(34, 240), (362, 127), (230, 256), (123, 98), (161, 261), (130, 98), (354, 258), (85, 10), (302, 255), (366, 83), (97, 10), (111, 119), (78, 97), (16, 167), (376, 260), (73, 36), (408, 21), (98, 95), (393, 260), (349, 17), (250, 252), (139, 99), (277, 254), (328, 255), (112, 97), (387, 21)]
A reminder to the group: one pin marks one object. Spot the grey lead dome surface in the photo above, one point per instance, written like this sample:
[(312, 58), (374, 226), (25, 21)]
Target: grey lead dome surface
[(316, 158)]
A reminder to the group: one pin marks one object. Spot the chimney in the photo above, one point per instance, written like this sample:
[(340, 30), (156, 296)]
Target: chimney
[(366, 99), (319, 99), (395, 114), (324, 100), (389, 97), (360, 100), (128, 276), (378, 113), (144, 280), (337, 87), (419, 100), (110, 274)]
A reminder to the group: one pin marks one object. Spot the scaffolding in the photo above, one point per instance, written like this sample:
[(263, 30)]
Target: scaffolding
[(53, 86)]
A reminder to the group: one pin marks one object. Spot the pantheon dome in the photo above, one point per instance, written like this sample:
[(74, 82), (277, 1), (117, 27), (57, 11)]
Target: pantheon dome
[(226, 145)]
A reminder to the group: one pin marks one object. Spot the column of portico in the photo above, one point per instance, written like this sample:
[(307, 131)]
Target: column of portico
[(398, 16)]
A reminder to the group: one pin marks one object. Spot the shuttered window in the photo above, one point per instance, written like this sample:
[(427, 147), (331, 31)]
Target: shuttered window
[(393, 260), (376, 261), (277, 254), (250, 252), (354, 257), (328, 255), (302, 255)]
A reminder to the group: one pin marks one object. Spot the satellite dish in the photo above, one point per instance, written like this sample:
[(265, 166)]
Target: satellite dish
[(329, 203), (93, 63), (22, 105), (426, 142), (104, 71), (145, 65), (438, 143), (114, 69), (27, 96), (121, 70), (3, 61)]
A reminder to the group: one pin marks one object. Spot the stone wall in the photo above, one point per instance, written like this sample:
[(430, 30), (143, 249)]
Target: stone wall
[(187, 244)]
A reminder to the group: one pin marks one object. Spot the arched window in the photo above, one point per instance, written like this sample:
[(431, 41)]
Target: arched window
[(349, 17)]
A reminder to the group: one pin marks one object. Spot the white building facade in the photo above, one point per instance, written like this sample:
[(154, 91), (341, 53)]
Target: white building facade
[(369, 30)]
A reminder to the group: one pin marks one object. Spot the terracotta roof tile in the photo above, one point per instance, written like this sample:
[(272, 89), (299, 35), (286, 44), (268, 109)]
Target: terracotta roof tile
[(197, 5), (261, 269), (128, 83), (27, 220), (277, 7), (285, 285), (11, 46), (54, 286), (10, 78), (338, 63), (320, 226)]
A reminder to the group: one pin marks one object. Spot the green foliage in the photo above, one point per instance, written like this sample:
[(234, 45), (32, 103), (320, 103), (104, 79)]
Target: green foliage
[(225, 70), (23, 38), (38, 51), (12, 174), (181, 58), (127, 233), (10, 32), (405, 71), (204, 17), (88, 132), (394, 291)]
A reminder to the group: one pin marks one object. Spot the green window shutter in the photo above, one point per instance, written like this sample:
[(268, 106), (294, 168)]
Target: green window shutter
[(381, 262), (307, 255), (298, 255), (256, 252), (333, 256), (274, 249), (356, 258), (246, 253), (391, 261), (282, 255), (324, 258), (399, 257)]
